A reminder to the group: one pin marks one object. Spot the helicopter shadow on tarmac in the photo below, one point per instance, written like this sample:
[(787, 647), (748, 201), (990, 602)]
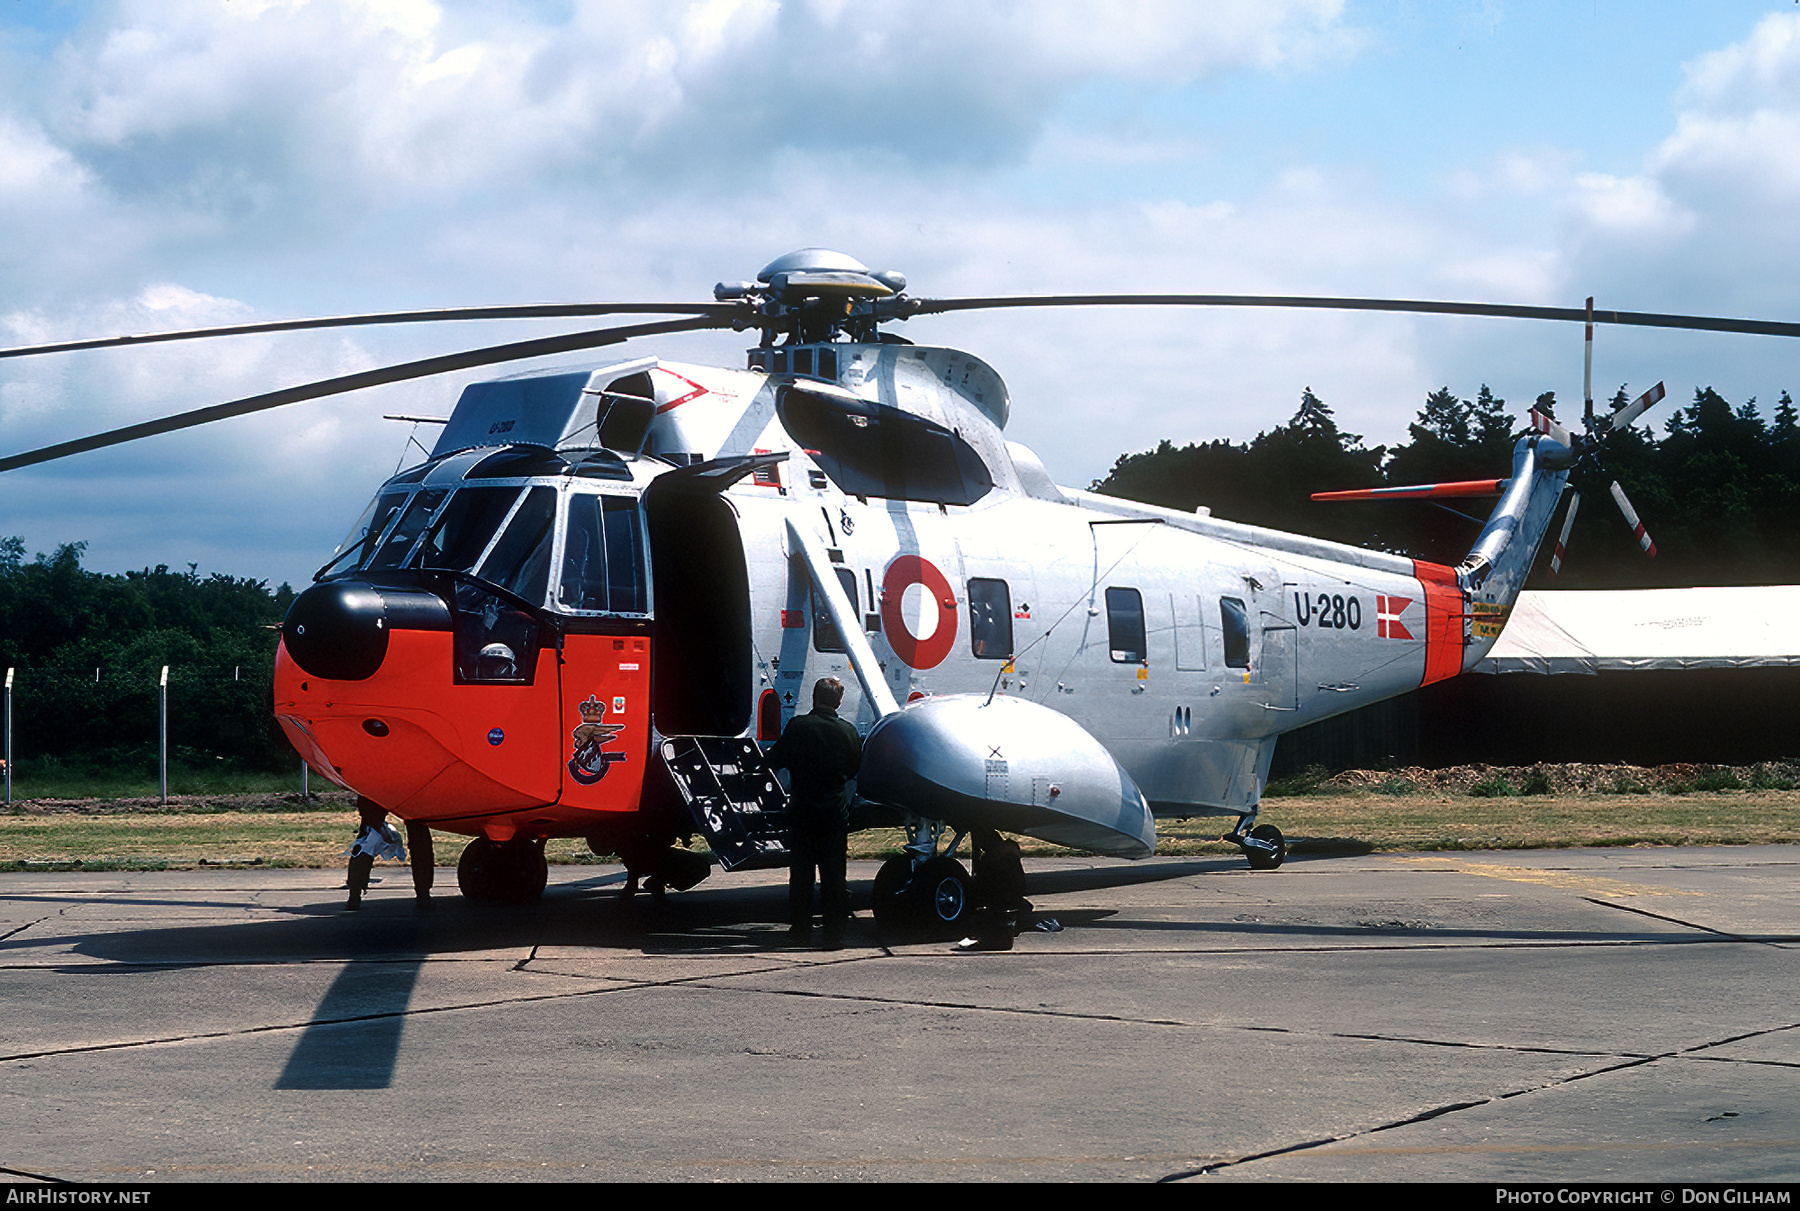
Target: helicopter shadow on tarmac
[(351, 1038)]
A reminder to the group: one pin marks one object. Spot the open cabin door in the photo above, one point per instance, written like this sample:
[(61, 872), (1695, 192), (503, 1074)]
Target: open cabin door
[(700, 681), (700, 685)]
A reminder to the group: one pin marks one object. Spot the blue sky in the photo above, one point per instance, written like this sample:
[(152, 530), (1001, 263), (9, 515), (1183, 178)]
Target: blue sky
[(171, 165)]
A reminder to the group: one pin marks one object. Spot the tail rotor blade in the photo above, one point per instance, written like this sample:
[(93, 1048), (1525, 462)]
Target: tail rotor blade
[(1631, 519), (1636, 408), (1562, 541), (1587, 370), (1548, 426)]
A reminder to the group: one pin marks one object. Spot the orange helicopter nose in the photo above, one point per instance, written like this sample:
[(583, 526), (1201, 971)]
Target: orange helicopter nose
[(339, 629)]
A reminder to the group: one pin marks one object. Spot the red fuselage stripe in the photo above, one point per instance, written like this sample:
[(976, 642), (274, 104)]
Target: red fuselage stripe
[(1443, 620)]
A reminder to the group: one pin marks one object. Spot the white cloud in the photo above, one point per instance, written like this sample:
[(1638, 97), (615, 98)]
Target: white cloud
[(284, 158), (384, 99), (1707, 224), (35, 169), (1515, 172), (1629, 207), (1759, 71)]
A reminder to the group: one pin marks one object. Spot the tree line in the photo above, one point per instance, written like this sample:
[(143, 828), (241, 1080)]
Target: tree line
[(1719, 490), (88, 650)]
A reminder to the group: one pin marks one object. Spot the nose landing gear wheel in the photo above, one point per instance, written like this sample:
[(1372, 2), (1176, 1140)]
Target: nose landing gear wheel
[(511, 873)]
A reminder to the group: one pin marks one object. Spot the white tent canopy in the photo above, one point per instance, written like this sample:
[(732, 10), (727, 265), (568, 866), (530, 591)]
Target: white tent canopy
[(1593, 632)]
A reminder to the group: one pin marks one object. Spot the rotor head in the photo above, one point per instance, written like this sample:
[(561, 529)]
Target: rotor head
[(816, 294)]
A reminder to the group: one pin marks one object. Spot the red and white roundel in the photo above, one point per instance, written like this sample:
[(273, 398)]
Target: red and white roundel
[(919, 652)]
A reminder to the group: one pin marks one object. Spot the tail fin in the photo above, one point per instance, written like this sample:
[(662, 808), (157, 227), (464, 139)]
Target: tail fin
[(1496, 567)]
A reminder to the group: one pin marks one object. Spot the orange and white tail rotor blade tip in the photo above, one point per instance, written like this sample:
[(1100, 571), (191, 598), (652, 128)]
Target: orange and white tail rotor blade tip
[(1562, 541), (1547, 425), (1636, 408), (1631, 519)]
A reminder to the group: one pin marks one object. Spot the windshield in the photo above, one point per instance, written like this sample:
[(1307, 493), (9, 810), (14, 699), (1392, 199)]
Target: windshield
[(392, 548), (464, 527), (500, 534), (364, 534), (520, 561)]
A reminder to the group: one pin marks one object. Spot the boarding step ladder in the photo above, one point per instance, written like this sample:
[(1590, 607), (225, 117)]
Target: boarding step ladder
[(733, 796)]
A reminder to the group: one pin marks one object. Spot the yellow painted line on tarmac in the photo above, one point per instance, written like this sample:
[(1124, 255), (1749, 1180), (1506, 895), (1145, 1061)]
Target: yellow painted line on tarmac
[(1569, 880)]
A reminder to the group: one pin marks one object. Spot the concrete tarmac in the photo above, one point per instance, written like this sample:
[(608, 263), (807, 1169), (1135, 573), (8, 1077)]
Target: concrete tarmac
[(1568, 1015)]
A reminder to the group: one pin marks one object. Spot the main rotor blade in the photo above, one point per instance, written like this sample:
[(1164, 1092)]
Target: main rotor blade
[(424, 368), (1641, 319), (536, 311)]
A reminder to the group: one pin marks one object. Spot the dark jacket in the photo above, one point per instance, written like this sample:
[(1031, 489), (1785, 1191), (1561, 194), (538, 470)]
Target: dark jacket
[(821, 752)]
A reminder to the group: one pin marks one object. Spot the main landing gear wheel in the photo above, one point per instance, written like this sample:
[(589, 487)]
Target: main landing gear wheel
[(1263, 859), (942, 894), (510, 873), (936, 898), (890, 902)]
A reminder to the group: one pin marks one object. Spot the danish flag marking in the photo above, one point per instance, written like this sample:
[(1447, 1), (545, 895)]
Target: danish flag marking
[(1387, 617)]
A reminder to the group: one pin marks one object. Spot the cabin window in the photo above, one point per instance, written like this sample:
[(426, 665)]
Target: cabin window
[(603, 557), (1125, 626), (1235, 621), (990, 619), (825, 633)]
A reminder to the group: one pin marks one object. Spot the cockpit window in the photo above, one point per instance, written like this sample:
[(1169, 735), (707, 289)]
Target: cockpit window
[(391, 550), (603, 557), (464, 528), (364, 534), (520, 561)]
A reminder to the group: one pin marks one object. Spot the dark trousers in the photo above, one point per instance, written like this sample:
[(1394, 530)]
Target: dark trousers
[(424, 864), (822, 852)]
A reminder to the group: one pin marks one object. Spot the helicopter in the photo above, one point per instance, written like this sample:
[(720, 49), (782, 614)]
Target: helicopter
[(607, 587)]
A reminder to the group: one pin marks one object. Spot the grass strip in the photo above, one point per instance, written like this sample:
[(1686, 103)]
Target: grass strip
[(258, 832)]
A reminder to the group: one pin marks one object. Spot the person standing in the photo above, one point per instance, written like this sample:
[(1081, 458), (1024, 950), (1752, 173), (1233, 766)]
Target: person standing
[(821, 753), (375, 838)]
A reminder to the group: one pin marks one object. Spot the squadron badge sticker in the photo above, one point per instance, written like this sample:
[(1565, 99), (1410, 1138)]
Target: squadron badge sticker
[(588, 764)]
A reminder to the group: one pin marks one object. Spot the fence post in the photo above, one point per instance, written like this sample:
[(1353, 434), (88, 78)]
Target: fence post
[(305, 773), (162, 754), (8, 760)]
